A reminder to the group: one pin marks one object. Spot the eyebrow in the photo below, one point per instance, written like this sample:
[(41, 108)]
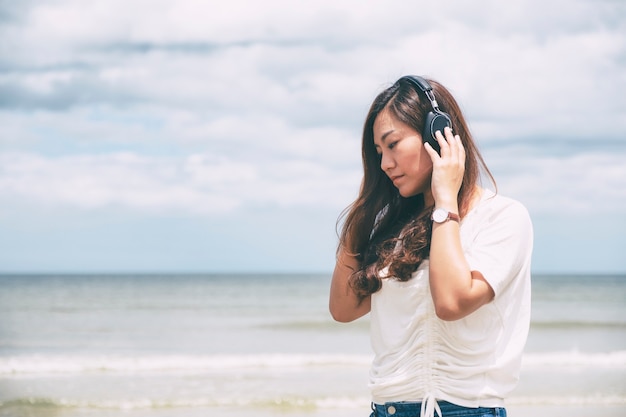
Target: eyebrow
[(383, 138)]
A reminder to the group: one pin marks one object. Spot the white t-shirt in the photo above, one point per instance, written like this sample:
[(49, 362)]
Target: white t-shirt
[(474, 361)]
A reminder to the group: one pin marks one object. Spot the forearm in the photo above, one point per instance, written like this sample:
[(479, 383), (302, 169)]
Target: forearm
[(344, 304), (456, 290)]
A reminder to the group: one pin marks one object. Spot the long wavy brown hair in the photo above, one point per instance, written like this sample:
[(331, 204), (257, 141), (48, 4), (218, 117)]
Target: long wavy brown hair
[(381, 228)]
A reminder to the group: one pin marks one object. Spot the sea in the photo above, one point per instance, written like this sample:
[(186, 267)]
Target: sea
[(234, 345)]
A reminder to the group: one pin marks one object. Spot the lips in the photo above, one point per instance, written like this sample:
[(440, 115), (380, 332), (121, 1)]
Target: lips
[(394, 178)]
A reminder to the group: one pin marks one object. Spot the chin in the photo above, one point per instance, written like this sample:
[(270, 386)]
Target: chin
[(408, 194), (412, 188)]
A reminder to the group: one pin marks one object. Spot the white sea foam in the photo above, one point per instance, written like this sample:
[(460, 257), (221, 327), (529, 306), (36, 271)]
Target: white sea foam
[(40, 364), (284, 402), (594, 399), (52, 364), (238, 401), (576, 359)]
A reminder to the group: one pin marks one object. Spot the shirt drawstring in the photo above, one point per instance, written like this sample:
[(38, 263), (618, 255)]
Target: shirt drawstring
[(430, 406)]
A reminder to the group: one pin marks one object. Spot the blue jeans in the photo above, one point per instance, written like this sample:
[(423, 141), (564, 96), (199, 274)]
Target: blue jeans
[(412, 409)]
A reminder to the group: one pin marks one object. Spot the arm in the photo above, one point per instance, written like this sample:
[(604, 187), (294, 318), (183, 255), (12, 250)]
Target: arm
[(456, 290), (344, 304)]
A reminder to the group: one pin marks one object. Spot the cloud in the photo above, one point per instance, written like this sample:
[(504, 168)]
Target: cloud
[(199, 184), (237, 110), (260, 90), (205, 184), (581, 184), (523, 73)]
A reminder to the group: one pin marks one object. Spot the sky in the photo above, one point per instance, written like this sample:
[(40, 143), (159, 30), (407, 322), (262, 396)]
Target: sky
[(212, 136)]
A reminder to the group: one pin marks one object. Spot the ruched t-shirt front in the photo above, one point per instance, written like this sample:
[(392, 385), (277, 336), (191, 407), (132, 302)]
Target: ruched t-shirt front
[(474, 361)]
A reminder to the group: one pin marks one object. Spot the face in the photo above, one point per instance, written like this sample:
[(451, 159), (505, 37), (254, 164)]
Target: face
[(403, 157)]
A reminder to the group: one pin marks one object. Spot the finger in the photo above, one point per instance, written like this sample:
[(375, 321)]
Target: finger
[(460, 151), (459, 142), (456, 147), (430, 151), (450, 139), (443, 143)]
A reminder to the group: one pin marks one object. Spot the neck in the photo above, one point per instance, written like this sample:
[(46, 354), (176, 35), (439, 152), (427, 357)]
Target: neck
[(429, 201)]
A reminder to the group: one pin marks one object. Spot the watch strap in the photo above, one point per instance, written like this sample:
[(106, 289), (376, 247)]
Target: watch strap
[(453, 216), (437, 213)]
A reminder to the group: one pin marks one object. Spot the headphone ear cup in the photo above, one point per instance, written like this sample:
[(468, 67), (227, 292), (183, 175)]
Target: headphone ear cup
[(435, 122)]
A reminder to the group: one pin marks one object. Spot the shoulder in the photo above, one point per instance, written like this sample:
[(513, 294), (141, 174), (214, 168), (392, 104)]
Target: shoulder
[(498, 207), (497, 218)]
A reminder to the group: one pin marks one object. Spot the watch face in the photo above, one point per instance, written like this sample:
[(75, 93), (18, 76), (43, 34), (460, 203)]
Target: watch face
[(440, 215)]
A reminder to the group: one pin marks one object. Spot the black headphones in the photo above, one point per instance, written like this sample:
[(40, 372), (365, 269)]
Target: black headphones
[(436, 119)]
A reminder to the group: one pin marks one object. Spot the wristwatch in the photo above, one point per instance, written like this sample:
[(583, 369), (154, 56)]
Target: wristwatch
[(441, 215)]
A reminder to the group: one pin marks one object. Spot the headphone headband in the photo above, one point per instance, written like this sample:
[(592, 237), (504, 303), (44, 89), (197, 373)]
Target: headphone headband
[(436, 120), (423, 85)]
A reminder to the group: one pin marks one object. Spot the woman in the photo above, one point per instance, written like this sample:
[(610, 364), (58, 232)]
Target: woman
[(442, 264)]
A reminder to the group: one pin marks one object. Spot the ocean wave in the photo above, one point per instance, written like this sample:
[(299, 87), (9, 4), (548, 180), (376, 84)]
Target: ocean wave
[(164, 364), (146, 403), (573, 324), (577, 359), (278, 403), (317, 325), (569, 400), (40, 364)]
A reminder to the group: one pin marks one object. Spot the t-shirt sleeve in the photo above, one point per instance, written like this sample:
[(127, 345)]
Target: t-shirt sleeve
[(503, 245)]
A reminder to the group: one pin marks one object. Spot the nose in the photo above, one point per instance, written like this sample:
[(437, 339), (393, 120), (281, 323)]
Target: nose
[(386, 162)]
